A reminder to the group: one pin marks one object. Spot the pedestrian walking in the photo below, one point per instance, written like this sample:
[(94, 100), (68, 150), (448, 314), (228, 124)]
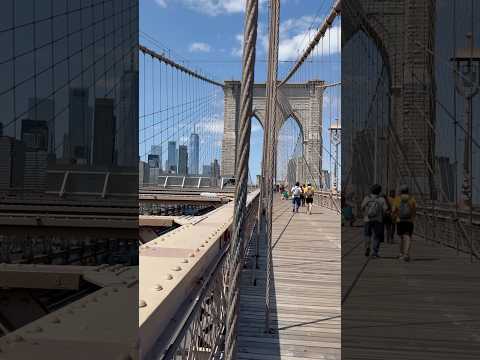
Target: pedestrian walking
[(404, 211), (309, 192), (347, 210), (387, 218), (390, 221), (374, 207), (302, 195), (296, 193)]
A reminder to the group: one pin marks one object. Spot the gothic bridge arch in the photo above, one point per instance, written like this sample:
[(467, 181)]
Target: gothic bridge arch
[(401, 30), (302, 102)]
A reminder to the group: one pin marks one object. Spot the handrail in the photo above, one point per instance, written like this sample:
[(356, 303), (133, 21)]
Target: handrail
[(188, 338), (329, 200)]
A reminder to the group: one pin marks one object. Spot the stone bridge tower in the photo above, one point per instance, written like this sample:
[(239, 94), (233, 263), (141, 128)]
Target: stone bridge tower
[(302, 102), (402, 31)]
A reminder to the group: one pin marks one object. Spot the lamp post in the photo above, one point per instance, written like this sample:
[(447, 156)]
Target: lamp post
[(467, 83), (336, 139)]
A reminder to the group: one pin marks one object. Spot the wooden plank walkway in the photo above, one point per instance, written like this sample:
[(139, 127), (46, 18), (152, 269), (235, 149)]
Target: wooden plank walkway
[(426, 309), (306, 295)]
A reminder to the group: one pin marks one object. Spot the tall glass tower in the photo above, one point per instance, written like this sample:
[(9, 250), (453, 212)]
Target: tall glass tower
[(194, 152), (172, 157)]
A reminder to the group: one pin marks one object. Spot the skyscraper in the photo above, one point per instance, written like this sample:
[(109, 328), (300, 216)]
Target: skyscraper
[(172, 157), (215, 169), (79, 126), (206, 170), (35, 137), (182, 160), (153, 161), (35, 134), (127, 127), (104, 133), (44, 110), (12, 161), (157, 150), (143, 173), (194, 151)]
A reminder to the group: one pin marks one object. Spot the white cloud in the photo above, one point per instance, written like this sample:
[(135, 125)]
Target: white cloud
[(295, 35), (162, 3), (210, 125), (238, 50), (262, 42), (290, 48), (212, 7), (199, 47)]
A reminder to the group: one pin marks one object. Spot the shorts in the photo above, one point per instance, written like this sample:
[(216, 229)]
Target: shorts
[(405, 228), (373, 227), (309, 200)]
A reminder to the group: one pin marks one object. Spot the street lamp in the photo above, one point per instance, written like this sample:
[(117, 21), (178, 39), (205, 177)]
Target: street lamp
[(336, 139), (467, 83)]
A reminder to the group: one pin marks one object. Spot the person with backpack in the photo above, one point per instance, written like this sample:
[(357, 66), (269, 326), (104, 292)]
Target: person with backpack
[(374, 208), (309, 192), (302, 195), (404, 210), (296, 193)]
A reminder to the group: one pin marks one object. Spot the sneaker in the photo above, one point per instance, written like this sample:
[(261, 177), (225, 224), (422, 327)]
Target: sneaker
[(400, 256), (375, 256), (406, 259), (367, 251)]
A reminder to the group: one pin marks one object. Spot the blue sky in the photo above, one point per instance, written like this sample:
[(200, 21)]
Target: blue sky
[(207, 35)]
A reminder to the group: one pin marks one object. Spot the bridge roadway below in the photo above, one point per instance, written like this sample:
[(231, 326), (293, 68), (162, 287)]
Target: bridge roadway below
[(305, 297), (424, 309)]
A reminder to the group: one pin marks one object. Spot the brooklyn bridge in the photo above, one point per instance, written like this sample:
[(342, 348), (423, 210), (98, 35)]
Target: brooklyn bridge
[(208, 251)]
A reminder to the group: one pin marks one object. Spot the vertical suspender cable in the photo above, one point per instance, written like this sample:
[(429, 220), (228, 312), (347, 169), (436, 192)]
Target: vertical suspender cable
[(271, 119), (246, 98)]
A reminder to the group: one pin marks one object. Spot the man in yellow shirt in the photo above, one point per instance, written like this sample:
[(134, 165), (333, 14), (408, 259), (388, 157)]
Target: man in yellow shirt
[(404, 210)]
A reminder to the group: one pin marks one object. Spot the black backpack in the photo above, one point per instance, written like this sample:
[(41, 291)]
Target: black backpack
[(405, 210)]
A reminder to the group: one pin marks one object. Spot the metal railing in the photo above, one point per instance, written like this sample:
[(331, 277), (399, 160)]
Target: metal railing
[(180, 181), (201, 332), (450, 227), (90, 182), (328, 200), (198, 182)]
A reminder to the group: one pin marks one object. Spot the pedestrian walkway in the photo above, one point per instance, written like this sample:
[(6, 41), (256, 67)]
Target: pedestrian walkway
[(425, 309), (305, 297)]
